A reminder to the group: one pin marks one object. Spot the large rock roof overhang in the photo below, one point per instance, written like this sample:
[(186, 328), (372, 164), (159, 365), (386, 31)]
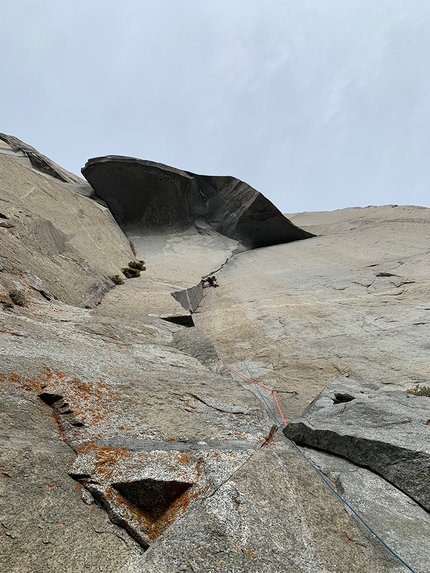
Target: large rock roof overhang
[(151, 197)]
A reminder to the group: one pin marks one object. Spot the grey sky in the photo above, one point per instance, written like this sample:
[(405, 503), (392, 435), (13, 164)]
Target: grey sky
[(319, 104)]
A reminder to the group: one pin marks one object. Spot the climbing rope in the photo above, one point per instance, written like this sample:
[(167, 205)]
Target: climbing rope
[(284, 423), (241, 359), (273, 392), (349, 506)]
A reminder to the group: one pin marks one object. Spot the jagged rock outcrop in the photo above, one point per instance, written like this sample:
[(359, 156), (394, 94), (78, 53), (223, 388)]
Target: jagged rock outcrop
[(148, 196), (38, 161), (387, 432), (128, 442)]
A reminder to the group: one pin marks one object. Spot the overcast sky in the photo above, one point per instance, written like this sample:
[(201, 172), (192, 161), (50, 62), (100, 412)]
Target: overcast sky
[(318, 104)]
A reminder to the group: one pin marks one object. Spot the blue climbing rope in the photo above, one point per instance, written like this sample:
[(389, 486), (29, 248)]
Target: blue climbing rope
[(349, 506), (313, 466)]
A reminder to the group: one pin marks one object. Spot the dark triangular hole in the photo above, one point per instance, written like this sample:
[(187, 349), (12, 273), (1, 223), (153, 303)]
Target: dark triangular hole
[(340, 398), (186, 320), (50, 398), (152, 496)]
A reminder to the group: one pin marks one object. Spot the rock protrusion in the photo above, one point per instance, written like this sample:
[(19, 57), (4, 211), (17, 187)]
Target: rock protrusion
[(189, 298), (137, 192), (385, 432), (40, 162)]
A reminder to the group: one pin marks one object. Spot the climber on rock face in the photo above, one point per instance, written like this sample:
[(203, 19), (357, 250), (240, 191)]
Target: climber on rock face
[(210, 281)]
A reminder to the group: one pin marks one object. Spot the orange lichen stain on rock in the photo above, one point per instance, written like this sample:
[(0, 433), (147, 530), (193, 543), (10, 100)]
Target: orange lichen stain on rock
[(240, 435), (85, 447), (251, 553), (105, 459), (183, 459), (107, 455), (178, 507), (92, 402), (28, 383), (49, 485), (13, 377), (346, 538), (89, 402), (198, 466)]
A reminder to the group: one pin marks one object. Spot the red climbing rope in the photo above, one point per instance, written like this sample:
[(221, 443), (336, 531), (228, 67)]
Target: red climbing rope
[(275, 397), (273, 392), (284, 421)]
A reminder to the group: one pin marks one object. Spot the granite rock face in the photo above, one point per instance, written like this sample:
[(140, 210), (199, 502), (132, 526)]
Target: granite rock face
[(145, 196), (133, 439), (232, 520), (379, 504), (387, 432), (58, 242), (22, 151)]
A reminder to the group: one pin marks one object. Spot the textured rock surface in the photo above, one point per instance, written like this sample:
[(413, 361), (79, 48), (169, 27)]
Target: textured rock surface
[(301, 536), (145, 196), (298, 317), (380, 505), (312, 310), (119, 412), (44, 523), (387, 432), (55, 240), (29, 156)]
